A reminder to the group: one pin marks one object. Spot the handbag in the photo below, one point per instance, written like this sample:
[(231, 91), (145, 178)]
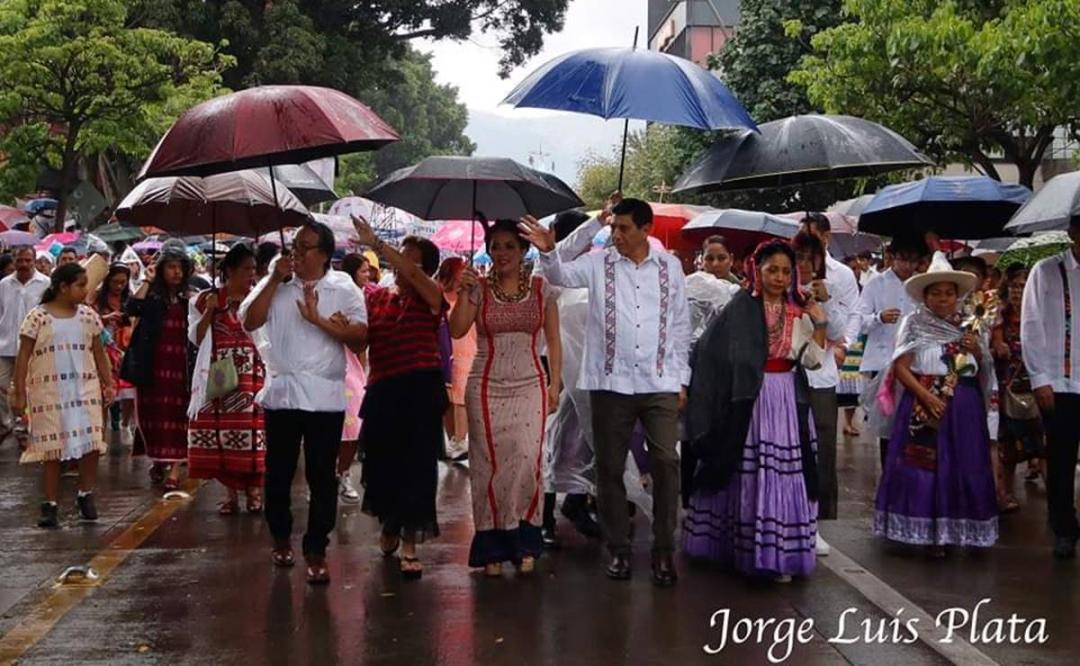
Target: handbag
[(223, 378), (1019, 406)]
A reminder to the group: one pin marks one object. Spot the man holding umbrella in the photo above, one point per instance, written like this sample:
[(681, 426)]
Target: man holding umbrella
[(308, 317), (636, 367)]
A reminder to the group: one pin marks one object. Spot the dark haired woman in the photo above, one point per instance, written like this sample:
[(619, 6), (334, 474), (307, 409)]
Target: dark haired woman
[(752, 464), (59, 339), (109, 302), (226, 439), (463, 351), (358, 268), (1020, 436), (507, 399), (405, 398), (157, 363)]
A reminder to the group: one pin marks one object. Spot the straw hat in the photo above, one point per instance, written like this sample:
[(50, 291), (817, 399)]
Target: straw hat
[(940, 271)]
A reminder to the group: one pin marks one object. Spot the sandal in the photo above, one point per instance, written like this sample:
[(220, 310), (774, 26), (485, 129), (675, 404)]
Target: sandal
[(851, 432), (493, 570), (254, 501), (386, 547), (527, 566), (283, 557), (410, 567), (317, 573), (229, 507), (1008, 505)]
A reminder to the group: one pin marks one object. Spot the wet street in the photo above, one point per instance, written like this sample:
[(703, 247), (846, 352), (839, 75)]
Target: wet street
[(182, 585)]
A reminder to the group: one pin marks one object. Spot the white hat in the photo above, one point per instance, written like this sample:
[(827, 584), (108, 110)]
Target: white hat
[(940, 271)]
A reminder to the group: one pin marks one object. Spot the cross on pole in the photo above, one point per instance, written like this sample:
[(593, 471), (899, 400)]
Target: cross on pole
[(661, 189)]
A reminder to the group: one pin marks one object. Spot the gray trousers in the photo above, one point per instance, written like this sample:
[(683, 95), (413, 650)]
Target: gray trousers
[(824, 408), (7, 375), (613, 418)]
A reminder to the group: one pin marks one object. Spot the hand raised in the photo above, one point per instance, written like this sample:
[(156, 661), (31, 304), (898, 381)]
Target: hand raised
[(535, 233)]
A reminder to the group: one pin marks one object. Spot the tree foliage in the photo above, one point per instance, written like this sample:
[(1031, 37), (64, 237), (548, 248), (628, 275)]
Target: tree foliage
[(963, 80), (76, 81)]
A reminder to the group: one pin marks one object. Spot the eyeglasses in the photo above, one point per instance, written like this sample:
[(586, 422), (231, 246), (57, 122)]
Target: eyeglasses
[(302, 248)]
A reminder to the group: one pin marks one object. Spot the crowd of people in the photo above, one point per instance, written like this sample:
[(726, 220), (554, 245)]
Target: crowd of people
[(611, 377)]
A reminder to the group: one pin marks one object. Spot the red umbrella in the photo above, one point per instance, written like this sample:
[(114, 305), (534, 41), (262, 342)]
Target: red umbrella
[(10, 216), (241, 203), (266, 126)]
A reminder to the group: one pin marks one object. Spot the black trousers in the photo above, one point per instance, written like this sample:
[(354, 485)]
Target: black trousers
[(1062, 441), (320, 433), (823, 405)]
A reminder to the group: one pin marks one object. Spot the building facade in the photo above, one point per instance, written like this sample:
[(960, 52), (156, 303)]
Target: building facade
[(691, 29)]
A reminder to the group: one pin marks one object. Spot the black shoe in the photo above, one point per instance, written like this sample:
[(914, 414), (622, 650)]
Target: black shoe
[(87, 510), (619, 568), (1065, 548), (576, 509), (50, 515), (663, 571), (550, 538)]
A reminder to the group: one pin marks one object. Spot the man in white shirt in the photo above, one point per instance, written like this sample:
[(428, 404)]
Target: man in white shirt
[(1050, 344), (636, 367), (837, 292), (20, 292), (881, 306), (308, 316)]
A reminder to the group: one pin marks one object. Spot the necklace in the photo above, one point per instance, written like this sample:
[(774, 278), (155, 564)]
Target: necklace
[(519, 295), (775, 328)]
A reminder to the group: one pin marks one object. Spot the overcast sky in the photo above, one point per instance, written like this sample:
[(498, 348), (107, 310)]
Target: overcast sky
[(563, 138)]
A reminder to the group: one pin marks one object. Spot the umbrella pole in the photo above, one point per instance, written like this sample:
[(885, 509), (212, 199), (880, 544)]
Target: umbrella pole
[(472, 227), (625, 130), (273, 188), (213, 247)]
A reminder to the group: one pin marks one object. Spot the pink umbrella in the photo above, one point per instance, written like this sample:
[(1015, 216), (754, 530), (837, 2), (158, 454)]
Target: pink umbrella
[(65, 238), (10, 216), (459, 236)]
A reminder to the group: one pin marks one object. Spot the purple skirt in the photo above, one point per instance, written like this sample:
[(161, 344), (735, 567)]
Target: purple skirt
[(762, 523), (953, 504)]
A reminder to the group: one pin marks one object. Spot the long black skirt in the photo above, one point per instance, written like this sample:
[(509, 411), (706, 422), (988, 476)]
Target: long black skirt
[(402, 435)]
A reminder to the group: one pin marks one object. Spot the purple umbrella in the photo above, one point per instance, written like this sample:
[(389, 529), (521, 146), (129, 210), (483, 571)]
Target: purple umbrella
[(17, 238), (147, 246)]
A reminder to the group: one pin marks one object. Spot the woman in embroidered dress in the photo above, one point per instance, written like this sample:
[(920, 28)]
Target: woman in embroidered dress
[(937, 487), (62, 374), (157, 363), (109, 303), (1020, 433), (752, 475), (507, 399), (226, 439)]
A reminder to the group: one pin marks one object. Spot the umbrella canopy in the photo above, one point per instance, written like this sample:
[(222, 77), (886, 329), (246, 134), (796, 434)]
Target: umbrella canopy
[(35, 206), (10, 216), (958, 207), (63, 238), (1028, 251), (454, 188), (345, 235), (240, 203), (17, 238), (302, 181), (114, 232), (1051, 208), (634, 84), (263, 126), (389, 224), (459, 236), (852, 207), (845, 241), (742, 229), (669, 220), (799, 150)]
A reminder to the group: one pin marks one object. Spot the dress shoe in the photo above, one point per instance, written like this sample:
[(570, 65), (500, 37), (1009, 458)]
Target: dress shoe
[(550, 538), (663, 571), (576, 509), (619, 567), (1064, 548), (317, 573), (282, 555)]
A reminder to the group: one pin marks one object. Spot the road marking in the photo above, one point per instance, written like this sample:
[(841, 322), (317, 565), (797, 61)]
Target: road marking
[(37, 623), (890, 601)]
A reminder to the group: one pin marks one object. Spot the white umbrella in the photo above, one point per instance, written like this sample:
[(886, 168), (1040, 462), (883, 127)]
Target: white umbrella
[(1051, 208), (736, 219)]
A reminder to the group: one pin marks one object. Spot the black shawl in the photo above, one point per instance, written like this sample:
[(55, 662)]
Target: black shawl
[(728, 366)]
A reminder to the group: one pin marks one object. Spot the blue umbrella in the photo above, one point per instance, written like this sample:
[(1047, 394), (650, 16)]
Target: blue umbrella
[(959, 207), (35, 206), (632, 84)]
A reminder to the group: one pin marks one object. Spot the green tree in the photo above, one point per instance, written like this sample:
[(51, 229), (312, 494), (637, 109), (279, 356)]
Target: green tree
[(81, 83), (341, 43), (428, 116), (773, 36), (963, 80)]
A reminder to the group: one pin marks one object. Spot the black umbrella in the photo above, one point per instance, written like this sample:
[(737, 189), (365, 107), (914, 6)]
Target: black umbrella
[(800, 150), (302, 181), (454, 188)]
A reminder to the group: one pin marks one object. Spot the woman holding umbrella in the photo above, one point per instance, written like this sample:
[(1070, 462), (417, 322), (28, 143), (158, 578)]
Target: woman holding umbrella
[(226, 437), (507, 398), (405, 398), (157, 362)]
